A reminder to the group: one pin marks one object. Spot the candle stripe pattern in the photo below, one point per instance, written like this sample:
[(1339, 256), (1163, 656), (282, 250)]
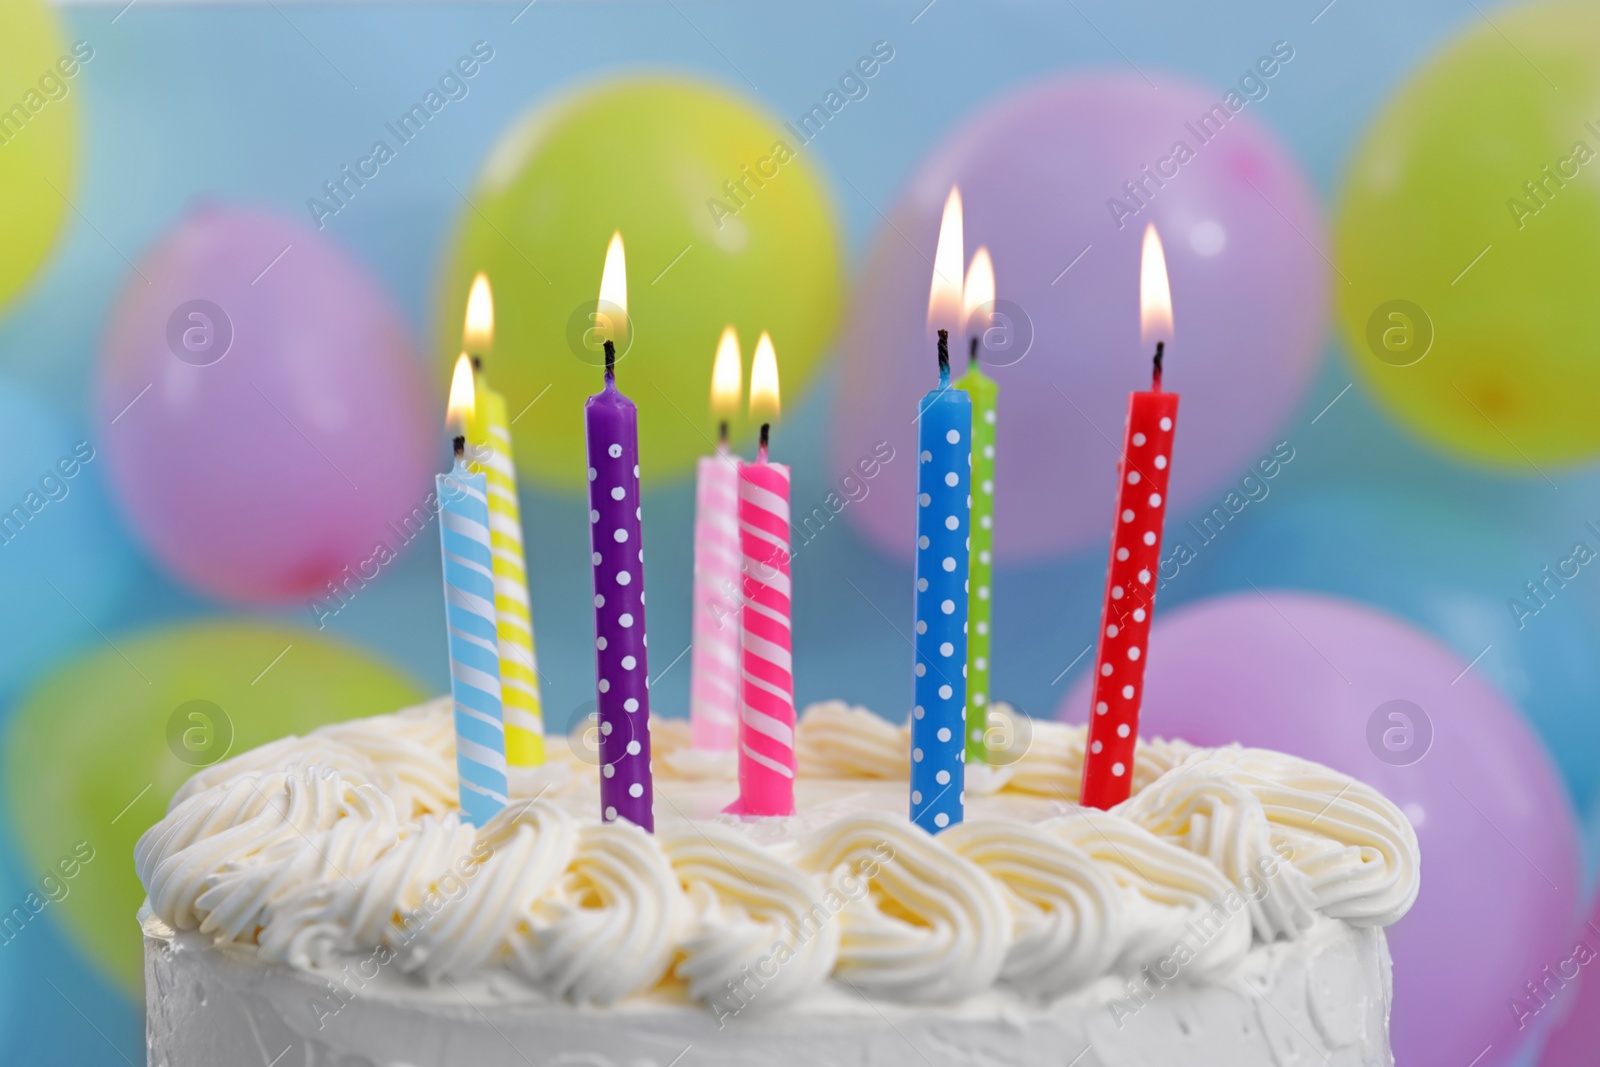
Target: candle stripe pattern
[(766, 715), (714, 661), (944, 505), (519, 669), (1130, 598), (985, 394), (474, 648), (616, 538)]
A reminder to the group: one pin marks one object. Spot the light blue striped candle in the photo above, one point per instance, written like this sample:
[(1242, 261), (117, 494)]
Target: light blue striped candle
[(944, 507), (474, 642)]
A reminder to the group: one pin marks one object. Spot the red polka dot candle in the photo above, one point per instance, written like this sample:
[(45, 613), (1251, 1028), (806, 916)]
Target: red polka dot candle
[(611, 424), (1135, 554)]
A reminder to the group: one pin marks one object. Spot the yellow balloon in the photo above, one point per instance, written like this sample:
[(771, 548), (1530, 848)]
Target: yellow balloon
[(1469, 243), (40, 77), (723, 220), (99, 747)]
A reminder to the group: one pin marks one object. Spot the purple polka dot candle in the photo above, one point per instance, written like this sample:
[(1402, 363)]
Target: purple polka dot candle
[(611, 424)]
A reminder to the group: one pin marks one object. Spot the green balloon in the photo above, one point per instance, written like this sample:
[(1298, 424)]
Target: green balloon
[(98, 748), (38, 136), (724, 221), (1469, 243)]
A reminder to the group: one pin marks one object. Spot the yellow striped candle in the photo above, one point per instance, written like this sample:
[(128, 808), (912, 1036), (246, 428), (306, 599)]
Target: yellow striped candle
[(489, 435)]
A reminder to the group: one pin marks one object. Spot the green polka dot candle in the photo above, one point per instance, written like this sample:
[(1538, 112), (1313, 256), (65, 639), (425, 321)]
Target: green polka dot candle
[(978, 306)]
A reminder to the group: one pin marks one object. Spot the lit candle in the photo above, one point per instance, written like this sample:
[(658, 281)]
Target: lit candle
[(489, 434), (944, 503), (766, 712), (714, 663), (1135, 552), (470, 620), (623, 698), (977, 307)]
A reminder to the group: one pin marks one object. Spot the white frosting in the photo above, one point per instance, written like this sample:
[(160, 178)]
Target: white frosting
[(346, 844), (1321, 999)]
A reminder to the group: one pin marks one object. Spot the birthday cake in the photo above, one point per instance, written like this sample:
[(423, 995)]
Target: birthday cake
[(319, 901)]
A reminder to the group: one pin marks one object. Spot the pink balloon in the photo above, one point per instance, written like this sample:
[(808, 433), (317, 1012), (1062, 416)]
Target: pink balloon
[(263, 411), (1037, 171), (1325, 679), (1574, 1002)]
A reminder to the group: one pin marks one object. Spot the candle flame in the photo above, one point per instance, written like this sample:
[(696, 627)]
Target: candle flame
[(611, 318), (764, 381), (463, 396), (977, 295), (727, 374), (1155, 295), (944, 297), (478, 334)]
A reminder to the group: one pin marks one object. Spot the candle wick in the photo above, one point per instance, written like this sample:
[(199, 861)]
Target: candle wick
[(1155, 375), (766, 428), (973, 351), (477, 363), (944, 356), (722, 432), (611, 362), (460, 445)]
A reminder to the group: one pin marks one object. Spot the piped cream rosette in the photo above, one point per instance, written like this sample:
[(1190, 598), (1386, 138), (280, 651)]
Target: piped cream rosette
[(347, 842)]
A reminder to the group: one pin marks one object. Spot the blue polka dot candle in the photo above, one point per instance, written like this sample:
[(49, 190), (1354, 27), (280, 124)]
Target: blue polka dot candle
[(1135, 556), (471, 622), (611, 424), (944, 507)]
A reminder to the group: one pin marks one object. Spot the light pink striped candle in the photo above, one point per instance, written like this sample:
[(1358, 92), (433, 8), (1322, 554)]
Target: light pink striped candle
[(766, 720), (714, 663)]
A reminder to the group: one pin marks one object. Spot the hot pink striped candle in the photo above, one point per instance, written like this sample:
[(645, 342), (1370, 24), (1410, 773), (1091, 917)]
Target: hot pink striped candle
[(766, 711)]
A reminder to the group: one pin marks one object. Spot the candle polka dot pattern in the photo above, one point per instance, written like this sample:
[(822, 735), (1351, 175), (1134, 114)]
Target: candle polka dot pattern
[(766, 733), (474, 647), (944, 505), (1130, 598), (519, 669), (617, 550), (714, 661), (985, 394)]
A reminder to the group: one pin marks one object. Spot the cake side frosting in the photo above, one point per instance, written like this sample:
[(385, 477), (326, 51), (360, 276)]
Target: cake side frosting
[(347, 844)]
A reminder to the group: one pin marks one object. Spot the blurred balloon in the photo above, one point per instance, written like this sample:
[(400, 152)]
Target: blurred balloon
[(1044, 177), (38, 139), (1467, 237), (99, 747), (287, 419), (63, 558), (1447, 569), (1574, 997), (724, 221), (1360, 691)]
